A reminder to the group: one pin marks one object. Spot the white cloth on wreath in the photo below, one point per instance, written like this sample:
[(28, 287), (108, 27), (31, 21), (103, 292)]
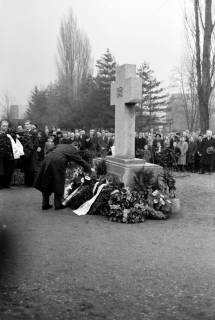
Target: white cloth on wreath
[(16, 147), (20, 147), (85, 207), (70, 196)]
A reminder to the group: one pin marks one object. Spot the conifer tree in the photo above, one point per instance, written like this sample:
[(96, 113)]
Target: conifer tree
[(106, 67), (37, 108), (154, 97)]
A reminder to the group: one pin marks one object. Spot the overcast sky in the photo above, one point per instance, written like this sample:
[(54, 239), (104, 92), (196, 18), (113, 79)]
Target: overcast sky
[(133, 30)]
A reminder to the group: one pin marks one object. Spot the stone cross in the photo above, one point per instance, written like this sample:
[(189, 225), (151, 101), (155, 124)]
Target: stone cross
[(126, 91)]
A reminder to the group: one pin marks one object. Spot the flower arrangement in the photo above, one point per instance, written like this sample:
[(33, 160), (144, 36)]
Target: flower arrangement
[(160, 202), (73, 175), (126, 206), (166, 183), (79, 190), (166, 158), (146, 200)]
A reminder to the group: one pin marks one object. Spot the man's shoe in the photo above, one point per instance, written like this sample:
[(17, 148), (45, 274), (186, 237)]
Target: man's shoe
[(60, 207), (46, 207)]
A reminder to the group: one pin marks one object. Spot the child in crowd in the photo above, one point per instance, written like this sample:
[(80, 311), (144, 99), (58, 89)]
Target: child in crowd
[(49, 145), (147, 153)]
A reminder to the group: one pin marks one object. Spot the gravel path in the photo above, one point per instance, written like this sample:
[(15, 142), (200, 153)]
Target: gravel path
[(61, 266)]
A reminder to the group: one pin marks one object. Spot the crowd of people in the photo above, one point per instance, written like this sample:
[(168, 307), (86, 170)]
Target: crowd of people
[(191, 151), (25, 147)]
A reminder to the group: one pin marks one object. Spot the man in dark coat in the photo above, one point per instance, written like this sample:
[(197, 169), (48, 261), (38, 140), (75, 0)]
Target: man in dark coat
[(6, 156), (208, 150), (198, 154), (30, 144), (140, 144), (94, 141), (51, 178), (103, 144), (191, 154)]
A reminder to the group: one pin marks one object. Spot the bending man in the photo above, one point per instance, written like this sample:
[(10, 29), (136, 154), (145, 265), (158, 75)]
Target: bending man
[(51, 178)]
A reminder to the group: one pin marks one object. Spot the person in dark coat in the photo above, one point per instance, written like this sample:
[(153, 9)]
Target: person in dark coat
[(40, 152), (94, 141), (6, 156), (175, 155), (191, 153), (198, 154), (208, 151), (141, 142), (32, 146), (136, 144), (87, 149), (51, 178), (58, 137), (103, 144), (158, 139), (42, 139), (110, 143)]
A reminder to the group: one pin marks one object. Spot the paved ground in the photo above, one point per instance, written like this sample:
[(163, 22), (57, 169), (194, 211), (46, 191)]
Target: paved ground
[(61, 266)]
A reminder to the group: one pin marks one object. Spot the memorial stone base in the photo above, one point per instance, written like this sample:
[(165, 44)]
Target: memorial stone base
[(125, 168)]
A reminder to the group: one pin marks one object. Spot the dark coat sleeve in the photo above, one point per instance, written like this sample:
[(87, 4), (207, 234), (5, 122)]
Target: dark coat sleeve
[(78, 159)]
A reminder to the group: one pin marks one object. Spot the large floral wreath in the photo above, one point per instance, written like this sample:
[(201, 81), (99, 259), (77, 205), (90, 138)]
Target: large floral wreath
[(106, 195)]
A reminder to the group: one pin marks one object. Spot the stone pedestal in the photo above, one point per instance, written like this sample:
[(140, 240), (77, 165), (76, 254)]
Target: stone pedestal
[(125, 168)]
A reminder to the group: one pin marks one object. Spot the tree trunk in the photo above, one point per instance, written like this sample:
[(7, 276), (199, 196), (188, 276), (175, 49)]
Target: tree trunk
[(203, 68), (204, 113)]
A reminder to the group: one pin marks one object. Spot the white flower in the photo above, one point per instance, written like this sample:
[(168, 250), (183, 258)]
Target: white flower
[(115, 206), (82, 180), (155, 201), (155, 193), (87, 178), (162, 201), (125, 213)]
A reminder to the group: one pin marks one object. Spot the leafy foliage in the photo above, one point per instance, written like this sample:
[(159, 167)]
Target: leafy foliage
[(166, 158)]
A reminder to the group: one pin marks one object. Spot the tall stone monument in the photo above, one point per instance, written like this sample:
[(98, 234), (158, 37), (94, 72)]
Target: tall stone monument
[(126, 91)]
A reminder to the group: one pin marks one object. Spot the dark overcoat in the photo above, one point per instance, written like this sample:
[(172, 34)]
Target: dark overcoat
[(51, 177), (191, 152), (207, 158), (6, 153), (30, 143)]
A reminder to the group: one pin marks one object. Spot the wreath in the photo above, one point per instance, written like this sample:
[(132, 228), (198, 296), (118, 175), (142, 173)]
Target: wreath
[(106, 195)]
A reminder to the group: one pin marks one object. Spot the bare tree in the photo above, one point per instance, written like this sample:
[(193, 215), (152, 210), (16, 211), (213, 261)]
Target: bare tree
[(201, 32), (187, 83), (74, 56)]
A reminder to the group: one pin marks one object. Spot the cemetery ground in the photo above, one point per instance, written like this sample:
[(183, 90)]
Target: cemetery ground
[(61, 266)]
